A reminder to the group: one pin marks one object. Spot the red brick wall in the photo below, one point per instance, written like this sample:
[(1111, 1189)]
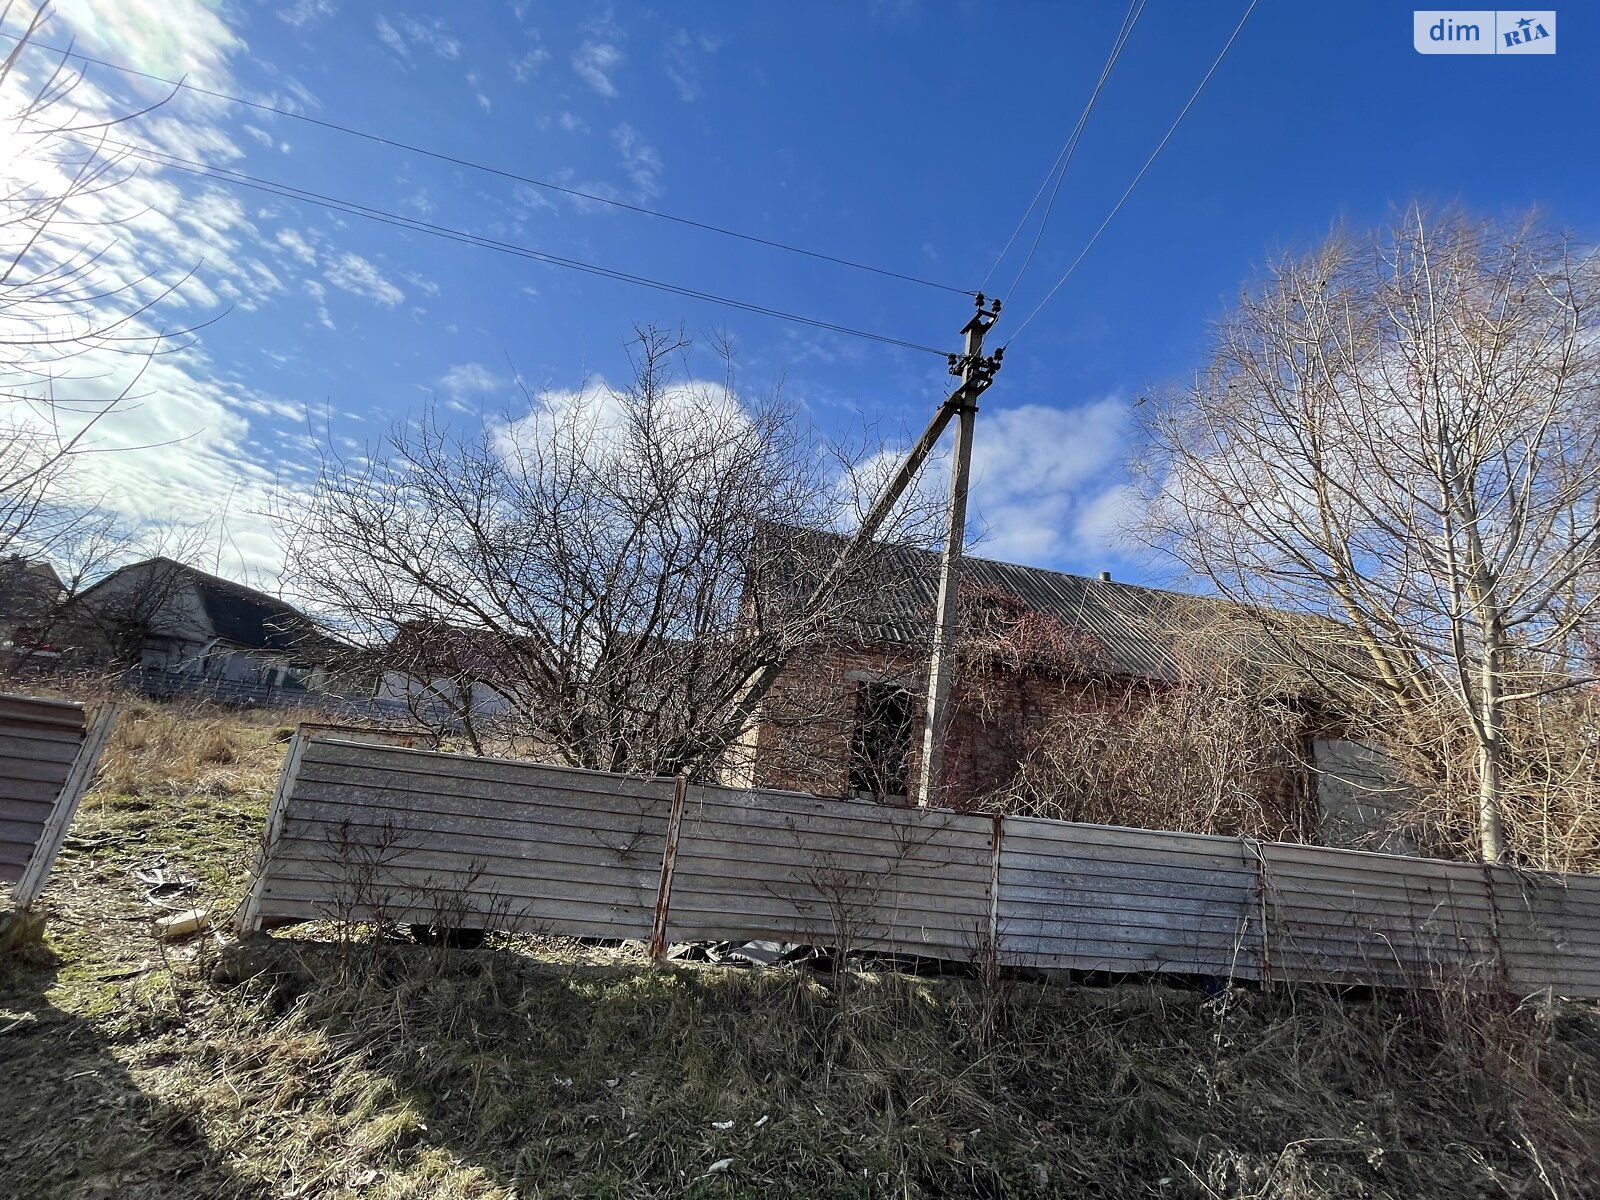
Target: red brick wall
[(803, 740)]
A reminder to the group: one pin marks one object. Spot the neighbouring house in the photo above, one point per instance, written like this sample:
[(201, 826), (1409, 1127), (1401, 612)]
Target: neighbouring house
[(443, 673), (1037, 646), (181, 627), (30, 602)]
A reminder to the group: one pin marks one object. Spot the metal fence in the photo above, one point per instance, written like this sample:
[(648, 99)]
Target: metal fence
[(363, 832), (48, 751), (240, 693)]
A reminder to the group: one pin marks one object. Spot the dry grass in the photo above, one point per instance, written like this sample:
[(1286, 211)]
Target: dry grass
[(191, 750), (543, 1069)]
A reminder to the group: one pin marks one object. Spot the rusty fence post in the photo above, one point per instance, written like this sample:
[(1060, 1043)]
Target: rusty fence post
[(669, 860)]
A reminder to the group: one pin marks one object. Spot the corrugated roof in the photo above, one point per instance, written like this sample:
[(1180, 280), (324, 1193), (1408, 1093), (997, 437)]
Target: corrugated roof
[(1137, 629)]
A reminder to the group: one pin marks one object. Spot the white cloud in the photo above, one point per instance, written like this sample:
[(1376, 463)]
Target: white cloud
[(529, 199), (195, 433), (319, 297), (174, 38), (1103, 519), (354, 274), (595, 62), (431, 34), (1036, 469), (639, 160), (304, 13), (679, 61), (424, 285), (469, 379), (477, 91), (529, 65), (405, 32), (302, 250), (419, 203), (390, 37), (1046, 481), (594, 422)]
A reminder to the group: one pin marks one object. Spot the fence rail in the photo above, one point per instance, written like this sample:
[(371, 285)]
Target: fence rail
[(363, 832), (48, 751), (246, 693)]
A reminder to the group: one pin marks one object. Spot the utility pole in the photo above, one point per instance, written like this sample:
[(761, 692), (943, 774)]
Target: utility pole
[(976, 373)]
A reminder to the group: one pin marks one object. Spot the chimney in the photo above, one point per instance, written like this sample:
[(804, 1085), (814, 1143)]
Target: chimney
[(1105, 576)]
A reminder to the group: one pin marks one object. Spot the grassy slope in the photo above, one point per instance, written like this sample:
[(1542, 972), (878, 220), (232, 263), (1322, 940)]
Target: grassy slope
[(539, 1069)]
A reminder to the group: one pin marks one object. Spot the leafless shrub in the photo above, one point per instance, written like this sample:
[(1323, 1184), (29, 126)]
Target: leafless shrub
[(1550, 778), (1205, 754), (604, 566)]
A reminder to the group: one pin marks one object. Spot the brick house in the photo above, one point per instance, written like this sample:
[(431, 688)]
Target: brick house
[(1037, 647)]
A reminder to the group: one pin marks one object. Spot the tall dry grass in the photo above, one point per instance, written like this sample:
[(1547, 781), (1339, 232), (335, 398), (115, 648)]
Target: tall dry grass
[(164, 749)]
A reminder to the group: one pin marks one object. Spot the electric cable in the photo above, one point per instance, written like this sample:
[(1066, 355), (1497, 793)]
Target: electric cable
[(1116, 208), (1058, 169), (228, 175), (454, 160)]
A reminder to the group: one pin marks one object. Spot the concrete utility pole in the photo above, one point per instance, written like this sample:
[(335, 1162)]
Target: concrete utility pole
[(976, 373)]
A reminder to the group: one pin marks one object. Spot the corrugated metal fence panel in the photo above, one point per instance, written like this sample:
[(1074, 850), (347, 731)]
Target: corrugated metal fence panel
[(1098, 898), (383, 833), (1383, 918), (368, 832), (39, 743), (1549, 926), (1348, 914), (797, 868)]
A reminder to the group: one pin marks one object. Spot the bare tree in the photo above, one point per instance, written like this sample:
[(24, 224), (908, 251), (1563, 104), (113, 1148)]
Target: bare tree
[(629, 555), (1401, 433), (76, 329)]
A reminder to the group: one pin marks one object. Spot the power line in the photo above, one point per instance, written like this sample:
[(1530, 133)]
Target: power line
[(383, 216), (1161, 145), (439, 156), (1058, 169)]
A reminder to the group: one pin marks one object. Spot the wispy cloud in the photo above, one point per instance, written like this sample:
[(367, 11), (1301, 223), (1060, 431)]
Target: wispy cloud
[(405, 32), (421, 282), (390, 37), (469, 379), (679, 58), (319, 298), (303, 14), (595, 63), (529, 65), (354, 274), (639, 160), (433, 35), (296, 244), (478, 92)]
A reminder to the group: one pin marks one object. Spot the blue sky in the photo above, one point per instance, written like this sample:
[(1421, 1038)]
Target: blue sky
[(906, 135)]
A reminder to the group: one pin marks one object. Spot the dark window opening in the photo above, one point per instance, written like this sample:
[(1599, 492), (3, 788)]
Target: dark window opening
[(880, 746)]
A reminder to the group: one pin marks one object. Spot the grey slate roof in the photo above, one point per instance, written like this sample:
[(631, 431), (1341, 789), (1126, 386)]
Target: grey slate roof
[(1135, 628), (251, 618), (236, 613)]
